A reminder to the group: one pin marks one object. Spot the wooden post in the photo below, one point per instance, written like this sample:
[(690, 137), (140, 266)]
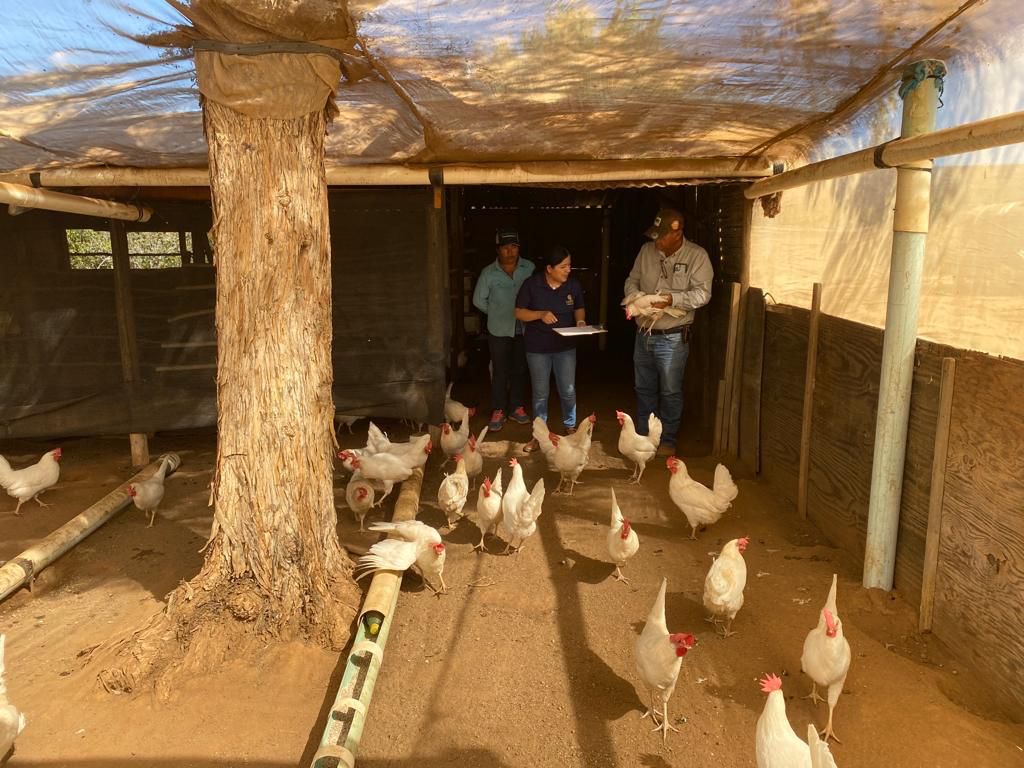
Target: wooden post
[(606, 254), (808, 414), (730, 365), (741, 332), (126, 328), (186, 256), (934, 535), (719, 408), (458, 272)]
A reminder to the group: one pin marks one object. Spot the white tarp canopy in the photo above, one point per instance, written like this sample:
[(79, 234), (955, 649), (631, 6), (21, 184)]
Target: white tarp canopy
[(114, 82)]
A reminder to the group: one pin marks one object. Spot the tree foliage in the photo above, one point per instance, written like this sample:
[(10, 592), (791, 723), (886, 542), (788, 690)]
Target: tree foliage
[(91, 249)]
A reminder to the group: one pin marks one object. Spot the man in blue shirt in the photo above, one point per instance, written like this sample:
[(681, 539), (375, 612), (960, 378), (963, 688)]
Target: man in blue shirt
[(495, 296)]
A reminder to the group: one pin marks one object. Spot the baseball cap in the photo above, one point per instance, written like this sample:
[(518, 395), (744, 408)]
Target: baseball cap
[(667, 220), (506, 237)]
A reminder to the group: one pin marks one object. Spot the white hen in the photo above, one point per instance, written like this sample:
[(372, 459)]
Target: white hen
[(416, 545), (701, 505), (384, 468), (659, 656), (640, 304), (453, 491), (571, 453), (623, 542), (413, 452), (454, 411), (488, 507), (724, 584), (147, 494), (776, 742), (28, 483), (454, 440), (12, 722), (638, 448), (521, 521), (474, 459), (359, 494), (826, 657)]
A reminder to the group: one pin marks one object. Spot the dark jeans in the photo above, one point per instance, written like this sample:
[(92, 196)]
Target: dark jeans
[(659, 363), (508, 373)]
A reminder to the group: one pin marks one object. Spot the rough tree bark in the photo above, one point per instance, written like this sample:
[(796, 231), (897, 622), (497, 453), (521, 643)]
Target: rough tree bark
[(274, 566)]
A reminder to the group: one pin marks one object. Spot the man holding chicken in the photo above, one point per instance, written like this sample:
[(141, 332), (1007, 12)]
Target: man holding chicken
[(680, 273), (495, 295)]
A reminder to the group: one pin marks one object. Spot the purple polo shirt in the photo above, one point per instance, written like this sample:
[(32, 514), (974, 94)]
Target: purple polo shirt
[(562, 301)]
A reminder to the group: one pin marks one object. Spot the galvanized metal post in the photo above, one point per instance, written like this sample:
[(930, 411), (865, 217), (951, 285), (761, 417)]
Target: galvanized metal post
[(921, 87)]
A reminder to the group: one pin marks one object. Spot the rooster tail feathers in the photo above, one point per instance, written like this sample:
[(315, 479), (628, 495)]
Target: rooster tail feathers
[(540, 430), (616, 512), (496, 485), (821, 755), (387, 555), (482, 435), (448, 392), (536, 498), (725, 489), (654, 429), (5, 473), (830, 603), (657, 613)]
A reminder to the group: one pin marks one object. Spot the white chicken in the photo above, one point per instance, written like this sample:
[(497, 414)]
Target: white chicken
[(474, 459), (416, 545), (700, 504), (12, 722), (659, 656), (776, 742), (640, 304), (638, 448), (488, 507), (385, 468), (623, 542), (521, 521), (359, 494), (567, 455), (413, 452), (28, 483), (453, 491), (514, 495), (724, 584), (147, 494), (347, 419), (826, 657), (454, 411), (454, 440)]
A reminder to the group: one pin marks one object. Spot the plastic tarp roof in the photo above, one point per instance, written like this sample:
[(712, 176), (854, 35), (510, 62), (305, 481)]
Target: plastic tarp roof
[(114, 82)]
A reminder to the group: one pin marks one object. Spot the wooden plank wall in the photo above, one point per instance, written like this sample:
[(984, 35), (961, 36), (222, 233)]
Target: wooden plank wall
[(750, 380), (979, 593), (981, 563)]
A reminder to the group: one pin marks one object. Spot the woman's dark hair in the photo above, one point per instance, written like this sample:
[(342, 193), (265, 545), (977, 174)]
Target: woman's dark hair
[(555, 255)]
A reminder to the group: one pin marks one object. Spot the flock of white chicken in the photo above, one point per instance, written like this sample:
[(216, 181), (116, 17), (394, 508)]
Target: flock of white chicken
[(511, 512)]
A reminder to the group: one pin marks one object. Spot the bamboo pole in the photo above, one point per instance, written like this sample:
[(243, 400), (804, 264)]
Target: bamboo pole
[(730, 364), (339, 743), (24, 568), (808, 411), (127, 340), (934, 535), (23, 196), (907, 150), (910, 232), (400, 175)]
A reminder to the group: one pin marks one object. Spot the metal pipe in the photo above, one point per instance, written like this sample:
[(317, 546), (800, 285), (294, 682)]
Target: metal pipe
[(25, 567), (542, 172), (906, 150), (910, 232), (344, 730), (29, 197)]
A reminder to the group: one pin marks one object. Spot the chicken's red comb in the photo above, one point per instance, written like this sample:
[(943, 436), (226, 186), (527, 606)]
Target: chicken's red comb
[(592, 418), (439, 547), (743, 543), (771, 682), (513, 462)]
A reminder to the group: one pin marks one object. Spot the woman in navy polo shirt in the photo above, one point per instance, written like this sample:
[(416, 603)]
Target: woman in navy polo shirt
[(547, 300)]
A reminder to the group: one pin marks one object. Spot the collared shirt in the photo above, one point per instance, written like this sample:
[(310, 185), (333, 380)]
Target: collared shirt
[(495, 296), (562, 301), (685, 275)]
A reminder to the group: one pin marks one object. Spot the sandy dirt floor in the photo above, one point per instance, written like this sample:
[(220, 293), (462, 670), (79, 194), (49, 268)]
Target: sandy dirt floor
[(528, 661)]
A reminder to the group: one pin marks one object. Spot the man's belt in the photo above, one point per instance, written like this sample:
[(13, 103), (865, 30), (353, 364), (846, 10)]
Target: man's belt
[(683, 329)]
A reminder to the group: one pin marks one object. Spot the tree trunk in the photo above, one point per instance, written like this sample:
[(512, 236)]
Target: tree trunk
[(274, 566)]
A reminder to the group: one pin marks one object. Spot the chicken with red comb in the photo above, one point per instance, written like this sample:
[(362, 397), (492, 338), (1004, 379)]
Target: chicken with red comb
[(826, 657), (28, 483)]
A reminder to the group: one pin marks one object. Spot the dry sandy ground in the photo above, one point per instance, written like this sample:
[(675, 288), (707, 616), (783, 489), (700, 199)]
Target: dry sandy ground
[(528, 661)]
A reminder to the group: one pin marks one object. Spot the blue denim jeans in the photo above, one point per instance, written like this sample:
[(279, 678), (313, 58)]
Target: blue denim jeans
[(508, 373), (563, 364), (658, 366)]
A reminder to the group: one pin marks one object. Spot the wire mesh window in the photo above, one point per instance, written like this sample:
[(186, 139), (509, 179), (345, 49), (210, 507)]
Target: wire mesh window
[(91, 249)]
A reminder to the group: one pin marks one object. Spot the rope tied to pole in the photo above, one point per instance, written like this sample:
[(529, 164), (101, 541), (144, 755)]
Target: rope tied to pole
[(920, 71)]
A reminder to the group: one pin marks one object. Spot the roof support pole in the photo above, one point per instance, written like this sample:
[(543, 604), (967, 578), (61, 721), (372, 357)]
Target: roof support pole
[(920, 90)]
